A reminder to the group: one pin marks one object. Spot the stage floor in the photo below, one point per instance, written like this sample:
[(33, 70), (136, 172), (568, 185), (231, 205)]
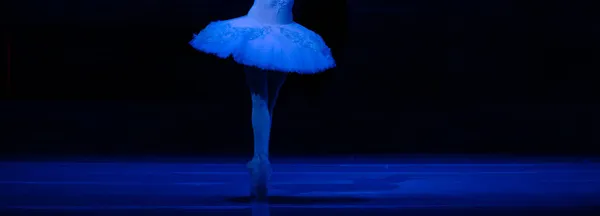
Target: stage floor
[(332, 186)]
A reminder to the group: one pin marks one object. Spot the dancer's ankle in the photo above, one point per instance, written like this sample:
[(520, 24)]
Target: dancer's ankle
[(261, 156)]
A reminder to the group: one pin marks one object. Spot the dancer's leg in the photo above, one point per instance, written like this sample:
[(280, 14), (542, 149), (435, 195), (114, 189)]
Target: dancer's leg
[(275, 81), (264, 88), (259, 166), (261, 118)]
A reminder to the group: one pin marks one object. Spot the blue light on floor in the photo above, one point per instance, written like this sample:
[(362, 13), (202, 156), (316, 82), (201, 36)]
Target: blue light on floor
[(113, 186)]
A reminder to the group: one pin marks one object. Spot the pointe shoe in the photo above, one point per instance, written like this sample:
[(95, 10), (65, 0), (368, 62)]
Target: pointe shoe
[(260, 173)]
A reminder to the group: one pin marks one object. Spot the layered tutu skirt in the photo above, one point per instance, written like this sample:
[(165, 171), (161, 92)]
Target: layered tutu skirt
[(284, 48)]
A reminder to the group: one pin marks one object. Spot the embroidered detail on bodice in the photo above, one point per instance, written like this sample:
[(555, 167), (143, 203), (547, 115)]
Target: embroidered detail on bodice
[(279, 4)]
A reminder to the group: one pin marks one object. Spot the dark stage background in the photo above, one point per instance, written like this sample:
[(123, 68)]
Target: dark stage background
[(466, 76)]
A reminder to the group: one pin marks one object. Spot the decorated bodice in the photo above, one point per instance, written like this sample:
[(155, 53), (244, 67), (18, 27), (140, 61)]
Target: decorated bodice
[(280, 4), (272, 11)]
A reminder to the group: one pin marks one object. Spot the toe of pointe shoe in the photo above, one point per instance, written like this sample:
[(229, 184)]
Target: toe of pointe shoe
[(259, 194), (260, 174)]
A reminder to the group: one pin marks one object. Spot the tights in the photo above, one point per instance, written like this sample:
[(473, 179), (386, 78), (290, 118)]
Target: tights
[(264, 87)]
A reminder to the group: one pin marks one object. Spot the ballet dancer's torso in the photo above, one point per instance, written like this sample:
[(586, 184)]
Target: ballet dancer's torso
[(272, 11)]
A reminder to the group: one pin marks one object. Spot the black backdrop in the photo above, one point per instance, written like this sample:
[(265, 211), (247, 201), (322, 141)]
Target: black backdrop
[(466, 76)]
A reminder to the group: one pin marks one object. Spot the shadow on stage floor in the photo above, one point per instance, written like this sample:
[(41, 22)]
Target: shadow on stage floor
[(302, 186)]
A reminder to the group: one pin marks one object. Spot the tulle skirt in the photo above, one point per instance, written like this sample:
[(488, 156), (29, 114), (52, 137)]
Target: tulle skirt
[(284, 48)]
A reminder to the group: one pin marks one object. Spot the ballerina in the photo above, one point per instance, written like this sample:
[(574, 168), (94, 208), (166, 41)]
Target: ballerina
[(270, 45)]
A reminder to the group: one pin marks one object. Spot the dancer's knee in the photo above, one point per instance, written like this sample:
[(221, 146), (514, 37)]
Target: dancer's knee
[(260, 101)]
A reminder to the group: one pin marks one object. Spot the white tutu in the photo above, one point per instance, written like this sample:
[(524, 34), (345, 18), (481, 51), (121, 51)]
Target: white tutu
[(286, 48)]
